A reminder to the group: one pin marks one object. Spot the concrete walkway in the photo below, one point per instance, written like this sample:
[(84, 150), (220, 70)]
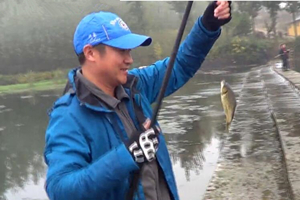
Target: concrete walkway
[(261, 153), (292, 76), (288, 123)]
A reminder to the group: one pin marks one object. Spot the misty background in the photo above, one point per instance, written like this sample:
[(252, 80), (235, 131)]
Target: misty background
[(36, 35), (36, 49)]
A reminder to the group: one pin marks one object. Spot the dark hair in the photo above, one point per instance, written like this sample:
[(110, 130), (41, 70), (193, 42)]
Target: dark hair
[(99, 47), (81, 58)]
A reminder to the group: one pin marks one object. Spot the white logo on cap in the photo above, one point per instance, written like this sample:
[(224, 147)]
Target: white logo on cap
[(121, 23), (113, 22), (93, 37)]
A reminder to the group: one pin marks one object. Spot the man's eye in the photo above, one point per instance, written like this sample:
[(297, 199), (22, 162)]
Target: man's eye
[(125, 50)]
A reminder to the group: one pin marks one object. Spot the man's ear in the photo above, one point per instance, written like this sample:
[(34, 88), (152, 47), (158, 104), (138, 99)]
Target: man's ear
[(89, 52)]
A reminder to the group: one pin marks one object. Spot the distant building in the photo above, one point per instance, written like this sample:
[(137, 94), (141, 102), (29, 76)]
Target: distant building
[(291, 30)]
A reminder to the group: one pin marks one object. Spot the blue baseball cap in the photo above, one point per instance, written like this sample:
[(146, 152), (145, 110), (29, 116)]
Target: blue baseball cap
[(106, 28)]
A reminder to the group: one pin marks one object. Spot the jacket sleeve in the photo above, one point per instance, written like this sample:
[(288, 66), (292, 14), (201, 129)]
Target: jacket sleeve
[(190, 56), (70, 174)]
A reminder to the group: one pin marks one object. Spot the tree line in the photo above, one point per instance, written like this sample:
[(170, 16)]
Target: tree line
[(36, 35)]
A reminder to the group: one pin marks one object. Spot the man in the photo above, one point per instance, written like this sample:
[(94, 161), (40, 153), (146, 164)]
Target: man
[(98, 134), (284, 55)]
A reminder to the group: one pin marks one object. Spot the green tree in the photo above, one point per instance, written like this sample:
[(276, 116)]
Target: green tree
[(273, 8), (136, 20), (293, 7), (240, 25), (157, 50), (179, 8), (251, 8)]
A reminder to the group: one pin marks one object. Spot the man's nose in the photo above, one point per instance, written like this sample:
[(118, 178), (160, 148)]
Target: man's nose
[(128, 58)]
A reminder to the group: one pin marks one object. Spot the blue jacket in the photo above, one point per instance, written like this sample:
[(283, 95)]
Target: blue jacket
[(85, 155)]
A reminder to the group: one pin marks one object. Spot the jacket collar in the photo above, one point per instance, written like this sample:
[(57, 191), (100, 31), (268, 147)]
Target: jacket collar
[(87, 98)]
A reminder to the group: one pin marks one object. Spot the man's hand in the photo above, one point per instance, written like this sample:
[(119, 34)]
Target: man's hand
[(144, 145), (217, 14)]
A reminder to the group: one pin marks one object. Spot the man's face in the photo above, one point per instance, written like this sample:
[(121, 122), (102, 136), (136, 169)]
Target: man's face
[(283, 46), (113, 65)]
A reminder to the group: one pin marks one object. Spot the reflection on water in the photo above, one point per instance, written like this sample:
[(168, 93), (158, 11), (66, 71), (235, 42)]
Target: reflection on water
[(192, 120), (22, 128), (194, 123)]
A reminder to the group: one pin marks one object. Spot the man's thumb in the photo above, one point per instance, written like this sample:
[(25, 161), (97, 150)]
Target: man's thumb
[(147, 123)]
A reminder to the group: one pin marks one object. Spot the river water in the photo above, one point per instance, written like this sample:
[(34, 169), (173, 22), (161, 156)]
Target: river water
[(192, 120)]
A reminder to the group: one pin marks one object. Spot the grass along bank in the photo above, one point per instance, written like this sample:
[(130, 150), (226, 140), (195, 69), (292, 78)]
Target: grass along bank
[(38, 86), (32, 81)]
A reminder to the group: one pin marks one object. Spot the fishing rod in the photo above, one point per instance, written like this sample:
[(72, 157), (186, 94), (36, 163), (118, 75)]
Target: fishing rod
[(161, 95), (171, 63), (278, 55)]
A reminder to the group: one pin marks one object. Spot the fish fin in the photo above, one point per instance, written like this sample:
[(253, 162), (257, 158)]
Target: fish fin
[(227, 127)]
